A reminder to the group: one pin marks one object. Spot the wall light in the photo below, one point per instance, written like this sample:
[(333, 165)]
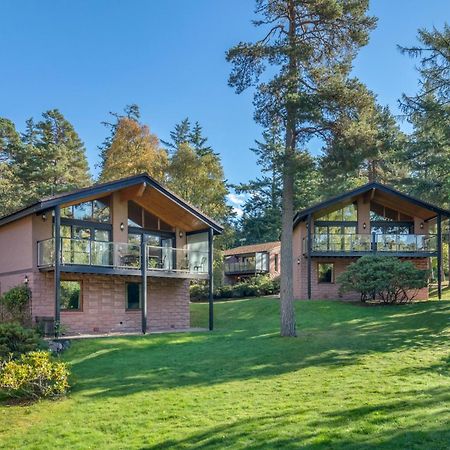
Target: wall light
[(180, 234), (44, 217), (26, 280), (421, 225), (364, 225), (298, 260), (122, 226)]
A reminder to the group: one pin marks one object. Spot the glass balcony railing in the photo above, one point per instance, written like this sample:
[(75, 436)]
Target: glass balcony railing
[(121, 256), (393, 243), (246, 267)]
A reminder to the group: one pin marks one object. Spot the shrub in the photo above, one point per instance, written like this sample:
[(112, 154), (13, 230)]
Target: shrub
[(15, 304), (34, 375), (383, 277), (15, 340), (255, 286)]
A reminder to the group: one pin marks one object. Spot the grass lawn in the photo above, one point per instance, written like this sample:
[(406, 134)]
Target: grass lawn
[(356, 377)]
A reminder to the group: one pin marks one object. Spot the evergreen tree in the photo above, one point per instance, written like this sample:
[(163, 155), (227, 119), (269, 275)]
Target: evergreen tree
[(261, 219), (364, 147), (428, 150), (181, 134), (309, 46)]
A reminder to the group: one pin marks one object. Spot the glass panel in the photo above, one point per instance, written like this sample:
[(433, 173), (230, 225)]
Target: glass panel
[(81, 233), (67, 212), (66, 231), (101, 235), (346, 214), (134, 238), (390, 214), (325, 272), (134, 215), (101, 211), (133, 295), (153, 239), (163, 226), (83, 211), (101, 253), (70, 295)]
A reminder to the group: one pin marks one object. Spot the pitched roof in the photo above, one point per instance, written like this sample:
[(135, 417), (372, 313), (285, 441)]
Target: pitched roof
[(302, 215), (264, 247), (48, 203)]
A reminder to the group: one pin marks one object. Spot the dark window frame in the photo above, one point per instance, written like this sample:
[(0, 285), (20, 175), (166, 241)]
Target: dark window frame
[(332, 264), (80, 301), (127, 308)]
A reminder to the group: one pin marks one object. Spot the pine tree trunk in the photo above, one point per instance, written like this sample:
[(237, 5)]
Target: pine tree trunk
[(287, 311)]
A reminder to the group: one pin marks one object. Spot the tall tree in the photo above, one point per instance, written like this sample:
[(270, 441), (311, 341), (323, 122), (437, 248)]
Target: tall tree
[(48, 158), (179, 135), (261, 219), (365, 147), (428, 150), (309, 46), (133, 150)]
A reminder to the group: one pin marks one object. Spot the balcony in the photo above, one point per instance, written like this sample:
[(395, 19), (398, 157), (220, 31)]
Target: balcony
[(244, 268), (417, 245), (81, 255)]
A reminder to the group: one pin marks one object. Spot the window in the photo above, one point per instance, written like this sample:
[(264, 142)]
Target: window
[(71, 295), (276, 262), (140, 218), (380, 213), (325, 272), (92, 211), (133, 293), (346, 214)]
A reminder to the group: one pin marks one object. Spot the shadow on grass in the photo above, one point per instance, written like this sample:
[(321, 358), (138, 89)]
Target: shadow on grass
[(332, 430), (247, 346)]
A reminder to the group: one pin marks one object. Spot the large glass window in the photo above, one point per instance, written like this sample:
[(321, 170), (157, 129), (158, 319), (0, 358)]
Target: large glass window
[(133, 295), (348, 213), (71, 295), (325, 272), (380, 213), (92, 211), (138, 217)]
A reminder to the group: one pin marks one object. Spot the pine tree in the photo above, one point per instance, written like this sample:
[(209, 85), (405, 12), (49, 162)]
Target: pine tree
[(180, 135), (309, 46)]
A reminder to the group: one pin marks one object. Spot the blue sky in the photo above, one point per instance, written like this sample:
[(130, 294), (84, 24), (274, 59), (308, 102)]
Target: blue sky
[(88, 57)]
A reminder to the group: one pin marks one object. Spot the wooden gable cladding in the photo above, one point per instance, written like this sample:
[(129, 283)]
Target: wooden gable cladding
[(161, 206), (402, 205)]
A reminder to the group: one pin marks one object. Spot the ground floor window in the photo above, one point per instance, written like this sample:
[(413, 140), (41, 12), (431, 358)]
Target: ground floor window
[(325, 272), (133, 295), (71, 295)]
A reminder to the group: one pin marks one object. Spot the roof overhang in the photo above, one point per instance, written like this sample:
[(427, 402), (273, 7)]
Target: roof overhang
[(385, 195), (141, 182)]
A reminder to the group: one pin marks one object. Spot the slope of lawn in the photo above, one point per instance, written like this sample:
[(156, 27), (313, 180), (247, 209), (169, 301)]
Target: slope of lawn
[(356, 377)]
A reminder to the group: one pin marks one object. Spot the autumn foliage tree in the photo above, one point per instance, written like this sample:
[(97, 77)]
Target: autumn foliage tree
[(133, 150)]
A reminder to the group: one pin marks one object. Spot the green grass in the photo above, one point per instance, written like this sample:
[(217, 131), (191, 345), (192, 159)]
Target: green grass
[(356, 377)]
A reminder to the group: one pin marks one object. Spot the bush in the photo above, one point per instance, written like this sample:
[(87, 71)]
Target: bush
[(384, 278), (15, 304), (15, 340), (34, 375), (252, 287)]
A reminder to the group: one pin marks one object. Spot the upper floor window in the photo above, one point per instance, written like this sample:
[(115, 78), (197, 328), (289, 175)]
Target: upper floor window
[(92, 211), (346, 214), (381, 213), (138, 217)]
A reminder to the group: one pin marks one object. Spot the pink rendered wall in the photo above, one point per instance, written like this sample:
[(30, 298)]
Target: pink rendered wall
[(272, 272)]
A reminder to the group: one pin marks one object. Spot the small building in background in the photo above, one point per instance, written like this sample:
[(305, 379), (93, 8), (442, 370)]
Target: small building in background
[(247, 261)]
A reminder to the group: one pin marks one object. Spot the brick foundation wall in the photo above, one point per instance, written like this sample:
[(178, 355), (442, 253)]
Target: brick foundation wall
[(104, 303), (323, 291)]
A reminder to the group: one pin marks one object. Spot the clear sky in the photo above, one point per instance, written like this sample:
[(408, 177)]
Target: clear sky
[(89, 57)]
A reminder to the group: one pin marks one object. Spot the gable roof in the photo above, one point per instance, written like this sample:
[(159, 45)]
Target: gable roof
[(48, 203), (435, 210), (264, 247)]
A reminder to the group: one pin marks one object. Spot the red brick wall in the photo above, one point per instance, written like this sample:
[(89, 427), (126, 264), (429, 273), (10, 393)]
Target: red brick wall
[(330, 290), (104, 308)]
